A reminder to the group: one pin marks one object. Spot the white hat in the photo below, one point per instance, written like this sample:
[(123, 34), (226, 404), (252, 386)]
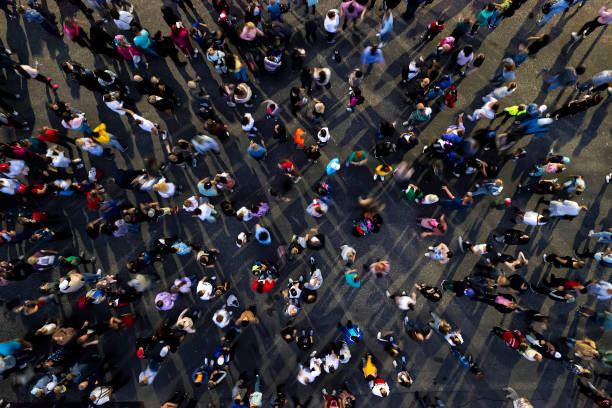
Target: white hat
[(430, 199)]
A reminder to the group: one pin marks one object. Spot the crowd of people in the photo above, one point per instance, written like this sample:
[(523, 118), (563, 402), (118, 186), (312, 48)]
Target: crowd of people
[(62, 359)]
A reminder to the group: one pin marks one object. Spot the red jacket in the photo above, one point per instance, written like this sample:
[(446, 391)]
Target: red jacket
[(435, 27)]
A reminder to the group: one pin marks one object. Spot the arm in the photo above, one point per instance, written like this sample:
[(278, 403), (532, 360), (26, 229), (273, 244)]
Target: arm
[(448, 192)]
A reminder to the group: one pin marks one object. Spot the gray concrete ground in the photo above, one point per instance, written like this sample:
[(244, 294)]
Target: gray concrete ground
[(584, 137)]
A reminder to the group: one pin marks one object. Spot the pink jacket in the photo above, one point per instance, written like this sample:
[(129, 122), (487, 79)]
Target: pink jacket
[(128, 53), (182, 40), (605, 15), (71, 32)]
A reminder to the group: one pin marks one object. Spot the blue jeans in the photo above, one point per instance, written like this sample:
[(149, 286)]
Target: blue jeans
[(369, 69), (241, 75), (553, 83), (604, 237), (383, 35)]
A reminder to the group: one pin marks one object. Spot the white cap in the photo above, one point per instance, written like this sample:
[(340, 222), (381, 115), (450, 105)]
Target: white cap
[(63, 284), (430, 199)]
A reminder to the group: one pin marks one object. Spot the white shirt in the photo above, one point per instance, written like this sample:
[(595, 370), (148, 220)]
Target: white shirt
[(115, 106), (487, 111), (9, 186), (323, 139), (502, 92), (16, 167), (124, 20), (531, 218), (376, 389), (331, 361), (565, 207), (205, 211), (205, 290), (332, 25), (462, 59), (195, 203), (316, 280), (171, 188), (58, 160), (249, 125), (404, 302), (226, 318), (101, 394), (306, 376), (146, 124)]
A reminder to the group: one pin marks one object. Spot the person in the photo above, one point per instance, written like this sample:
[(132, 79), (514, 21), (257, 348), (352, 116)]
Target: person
[(35, 16), (122, 18), (419, 118), (440, 253), (597, 82), (488, 110), (28, 72), (457, 203), (605, 237), (555, 8), (101, 136), (577, 105), (331, 25), (604, 18), (371, 55), (567, 77), (433, 29), (386, 26), (352, 10), (180, 36)]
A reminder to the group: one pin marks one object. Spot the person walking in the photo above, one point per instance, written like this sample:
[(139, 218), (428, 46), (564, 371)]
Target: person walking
[(604, 18), (567, 77), (386, 26), (371, 55)]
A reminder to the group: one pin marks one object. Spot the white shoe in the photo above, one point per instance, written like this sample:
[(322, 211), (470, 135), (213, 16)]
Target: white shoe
[(544, 257), (608, 178), (405, 123), (460, 239), (387, 293), (428, 254), (164, 351), (382, 44), (575, 36), (591, 232), (375, 176), (394, 364)]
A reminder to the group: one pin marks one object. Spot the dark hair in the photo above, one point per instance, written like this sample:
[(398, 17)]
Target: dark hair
[(100, 73), (263, 236), (580, 69), (490, 7), (245, 120), (546, 38), (351, 8), (322, 76), (468, 49), (449, 254), (358, 73), (478, 60), (114, 13), (495, 106), (441, 20)]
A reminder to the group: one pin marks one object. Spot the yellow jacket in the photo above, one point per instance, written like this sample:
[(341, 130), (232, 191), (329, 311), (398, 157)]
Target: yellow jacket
[(100, 134)]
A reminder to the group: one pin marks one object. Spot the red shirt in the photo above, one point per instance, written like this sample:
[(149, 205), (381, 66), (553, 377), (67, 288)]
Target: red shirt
[(50, 135), (435, 27), (513, 338), (93, 203), (572, 284)]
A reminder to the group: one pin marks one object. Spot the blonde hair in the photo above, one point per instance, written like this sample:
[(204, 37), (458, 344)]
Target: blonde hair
[(249, 25)]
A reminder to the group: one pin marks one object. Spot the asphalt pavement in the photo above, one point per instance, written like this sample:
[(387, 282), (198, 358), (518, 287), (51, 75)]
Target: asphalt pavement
[(584, 138)]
